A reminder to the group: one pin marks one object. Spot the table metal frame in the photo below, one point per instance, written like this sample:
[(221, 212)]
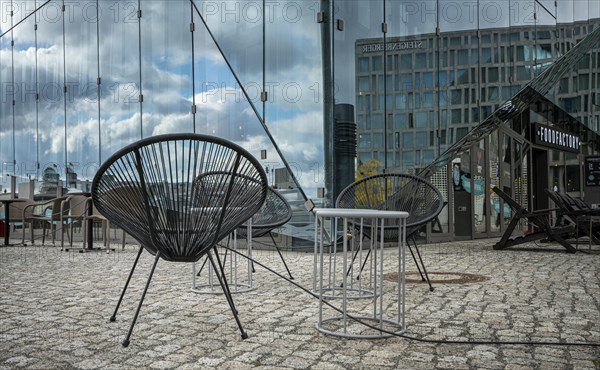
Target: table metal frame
[(333, 282), (591, 219), (7, 203), (232, 265)]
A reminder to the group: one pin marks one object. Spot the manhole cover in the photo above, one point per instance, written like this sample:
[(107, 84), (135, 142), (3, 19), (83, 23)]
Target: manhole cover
[(440, 277)]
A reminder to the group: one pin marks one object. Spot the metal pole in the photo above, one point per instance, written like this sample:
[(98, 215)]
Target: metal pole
[(328, 98)]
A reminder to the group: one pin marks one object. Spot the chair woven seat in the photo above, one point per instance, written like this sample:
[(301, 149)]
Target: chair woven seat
[(274, 213), (151, 190), (156, 191)]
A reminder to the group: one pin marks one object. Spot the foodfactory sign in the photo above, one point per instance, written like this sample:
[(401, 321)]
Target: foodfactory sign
[(554, 138)]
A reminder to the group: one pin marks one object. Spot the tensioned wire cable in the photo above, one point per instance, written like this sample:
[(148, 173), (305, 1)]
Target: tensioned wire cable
[(260, 118), (25, 18), (437, 341)]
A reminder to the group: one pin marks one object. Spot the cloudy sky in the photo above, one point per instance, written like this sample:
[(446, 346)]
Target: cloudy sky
[(169, 71), (415, 17), (158, 62)]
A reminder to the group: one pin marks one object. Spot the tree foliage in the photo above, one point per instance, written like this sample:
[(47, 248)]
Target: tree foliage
[(367, 169)]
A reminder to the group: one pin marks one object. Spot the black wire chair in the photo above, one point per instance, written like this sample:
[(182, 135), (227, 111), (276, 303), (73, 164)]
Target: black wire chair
[(396, 192), (275, 212), (150, 189)]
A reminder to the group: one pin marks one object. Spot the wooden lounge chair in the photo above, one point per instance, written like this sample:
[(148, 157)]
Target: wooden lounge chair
[(539, 221), (576, 213)]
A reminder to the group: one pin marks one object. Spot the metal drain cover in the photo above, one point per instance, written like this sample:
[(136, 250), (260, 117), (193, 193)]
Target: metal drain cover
[(440, 277)]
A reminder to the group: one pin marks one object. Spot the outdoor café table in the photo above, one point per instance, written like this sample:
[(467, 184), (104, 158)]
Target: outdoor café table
[(7, 203), (232, 265), (340, 277)]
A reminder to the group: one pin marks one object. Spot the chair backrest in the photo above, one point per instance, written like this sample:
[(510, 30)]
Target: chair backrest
[(564, 214), (151, 190), (56, 209), (570, 206), (577, 204), (275, 212), (18, 208), (513, 204), (78, 205), (395, 192)]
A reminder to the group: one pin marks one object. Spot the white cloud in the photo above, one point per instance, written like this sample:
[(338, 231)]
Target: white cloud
[(292, 59)]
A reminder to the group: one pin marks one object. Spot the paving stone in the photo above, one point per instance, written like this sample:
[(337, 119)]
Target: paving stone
[(50, 319)]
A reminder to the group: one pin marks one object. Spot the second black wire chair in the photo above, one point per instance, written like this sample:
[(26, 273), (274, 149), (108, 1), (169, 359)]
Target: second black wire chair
[(275, 212), (397, 192)]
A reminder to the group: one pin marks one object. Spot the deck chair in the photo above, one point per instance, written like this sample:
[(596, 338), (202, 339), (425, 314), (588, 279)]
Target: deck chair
[(397, 192), (149, 190), (539, 219), (576, 213)]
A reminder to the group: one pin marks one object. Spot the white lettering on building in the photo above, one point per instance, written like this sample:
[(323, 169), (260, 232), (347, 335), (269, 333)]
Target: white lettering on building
[(404, 45), (550, 136)]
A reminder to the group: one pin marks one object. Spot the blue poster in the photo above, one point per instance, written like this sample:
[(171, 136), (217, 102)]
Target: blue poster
[(479, 185)]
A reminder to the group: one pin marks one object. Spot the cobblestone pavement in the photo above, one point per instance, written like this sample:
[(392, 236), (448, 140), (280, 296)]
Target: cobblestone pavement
[(55, 306)]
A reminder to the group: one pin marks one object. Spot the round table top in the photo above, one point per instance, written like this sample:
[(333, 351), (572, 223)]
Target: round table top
[(12, 200), (358, 213)]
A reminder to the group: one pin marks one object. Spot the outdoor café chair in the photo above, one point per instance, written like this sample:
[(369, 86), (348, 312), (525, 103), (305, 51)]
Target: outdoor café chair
[(48, 213), (149, 190), (17, 212), (397, 192), (77, 205)]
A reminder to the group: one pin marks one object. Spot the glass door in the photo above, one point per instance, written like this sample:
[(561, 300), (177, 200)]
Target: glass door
[(513, 174)]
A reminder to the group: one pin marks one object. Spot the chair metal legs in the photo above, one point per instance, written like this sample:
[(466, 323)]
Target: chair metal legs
[(219, 272), (114, 316), (280, 255), (276, 247), (224, 259), (423, 272), (202, 267), (125, 342), (426, 277), (225, 288)]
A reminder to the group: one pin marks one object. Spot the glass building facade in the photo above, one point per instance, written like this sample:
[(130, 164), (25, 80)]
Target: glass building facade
[(81, 79), (434, 99)]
